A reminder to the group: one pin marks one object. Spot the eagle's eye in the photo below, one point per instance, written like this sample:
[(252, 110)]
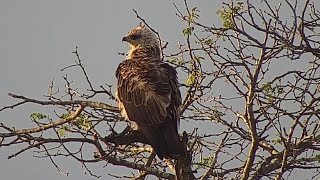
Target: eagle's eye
[(135, 36)]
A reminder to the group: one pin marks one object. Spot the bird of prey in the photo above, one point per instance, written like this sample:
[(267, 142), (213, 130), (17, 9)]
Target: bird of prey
[(148, 93)]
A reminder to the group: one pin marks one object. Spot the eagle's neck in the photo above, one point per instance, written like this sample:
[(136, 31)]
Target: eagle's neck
[(141, 52)]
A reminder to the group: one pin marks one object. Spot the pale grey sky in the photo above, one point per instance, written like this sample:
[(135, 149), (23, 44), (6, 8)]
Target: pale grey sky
[(36, 41)]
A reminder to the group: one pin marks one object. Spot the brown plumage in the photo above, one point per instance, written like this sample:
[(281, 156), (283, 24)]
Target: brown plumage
[(148, 93)]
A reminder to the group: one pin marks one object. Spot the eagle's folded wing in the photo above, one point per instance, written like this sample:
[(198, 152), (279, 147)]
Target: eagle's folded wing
[(146, 91)]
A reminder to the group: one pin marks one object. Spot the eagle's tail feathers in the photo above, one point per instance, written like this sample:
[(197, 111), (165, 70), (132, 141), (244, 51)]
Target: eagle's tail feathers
[(166, 142)]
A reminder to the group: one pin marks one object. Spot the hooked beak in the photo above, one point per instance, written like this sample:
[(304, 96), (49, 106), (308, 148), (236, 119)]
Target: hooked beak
[(125, 39)]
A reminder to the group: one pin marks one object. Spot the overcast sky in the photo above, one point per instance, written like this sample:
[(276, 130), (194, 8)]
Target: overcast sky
[(36, 41)]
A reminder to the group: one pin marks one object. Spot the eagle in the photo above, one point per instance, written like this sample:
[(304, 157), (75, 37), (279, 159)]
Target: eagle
[(148, 93)]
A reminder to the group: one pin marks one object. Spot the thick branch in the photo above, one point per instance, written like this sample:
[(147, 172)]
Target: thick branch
[(91, 104), (44, 127)]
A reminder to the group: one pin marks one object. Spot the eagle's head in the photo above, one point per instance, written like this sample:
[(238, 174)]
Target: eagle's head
[(141, 36)]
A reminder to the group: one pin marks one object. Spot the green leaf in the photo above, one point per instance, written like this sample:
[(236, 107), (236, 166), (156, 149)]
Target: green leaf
[(266, 87), (191, 79), (82, 122), (194, 14), (62, 131), (318, 158), (36, 116), (175, 60), (276, 141), (270, 99), (208, 42), (269, 91), (187, 31), (227, 14), (65, 115), (205, 162), (216, 113)]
